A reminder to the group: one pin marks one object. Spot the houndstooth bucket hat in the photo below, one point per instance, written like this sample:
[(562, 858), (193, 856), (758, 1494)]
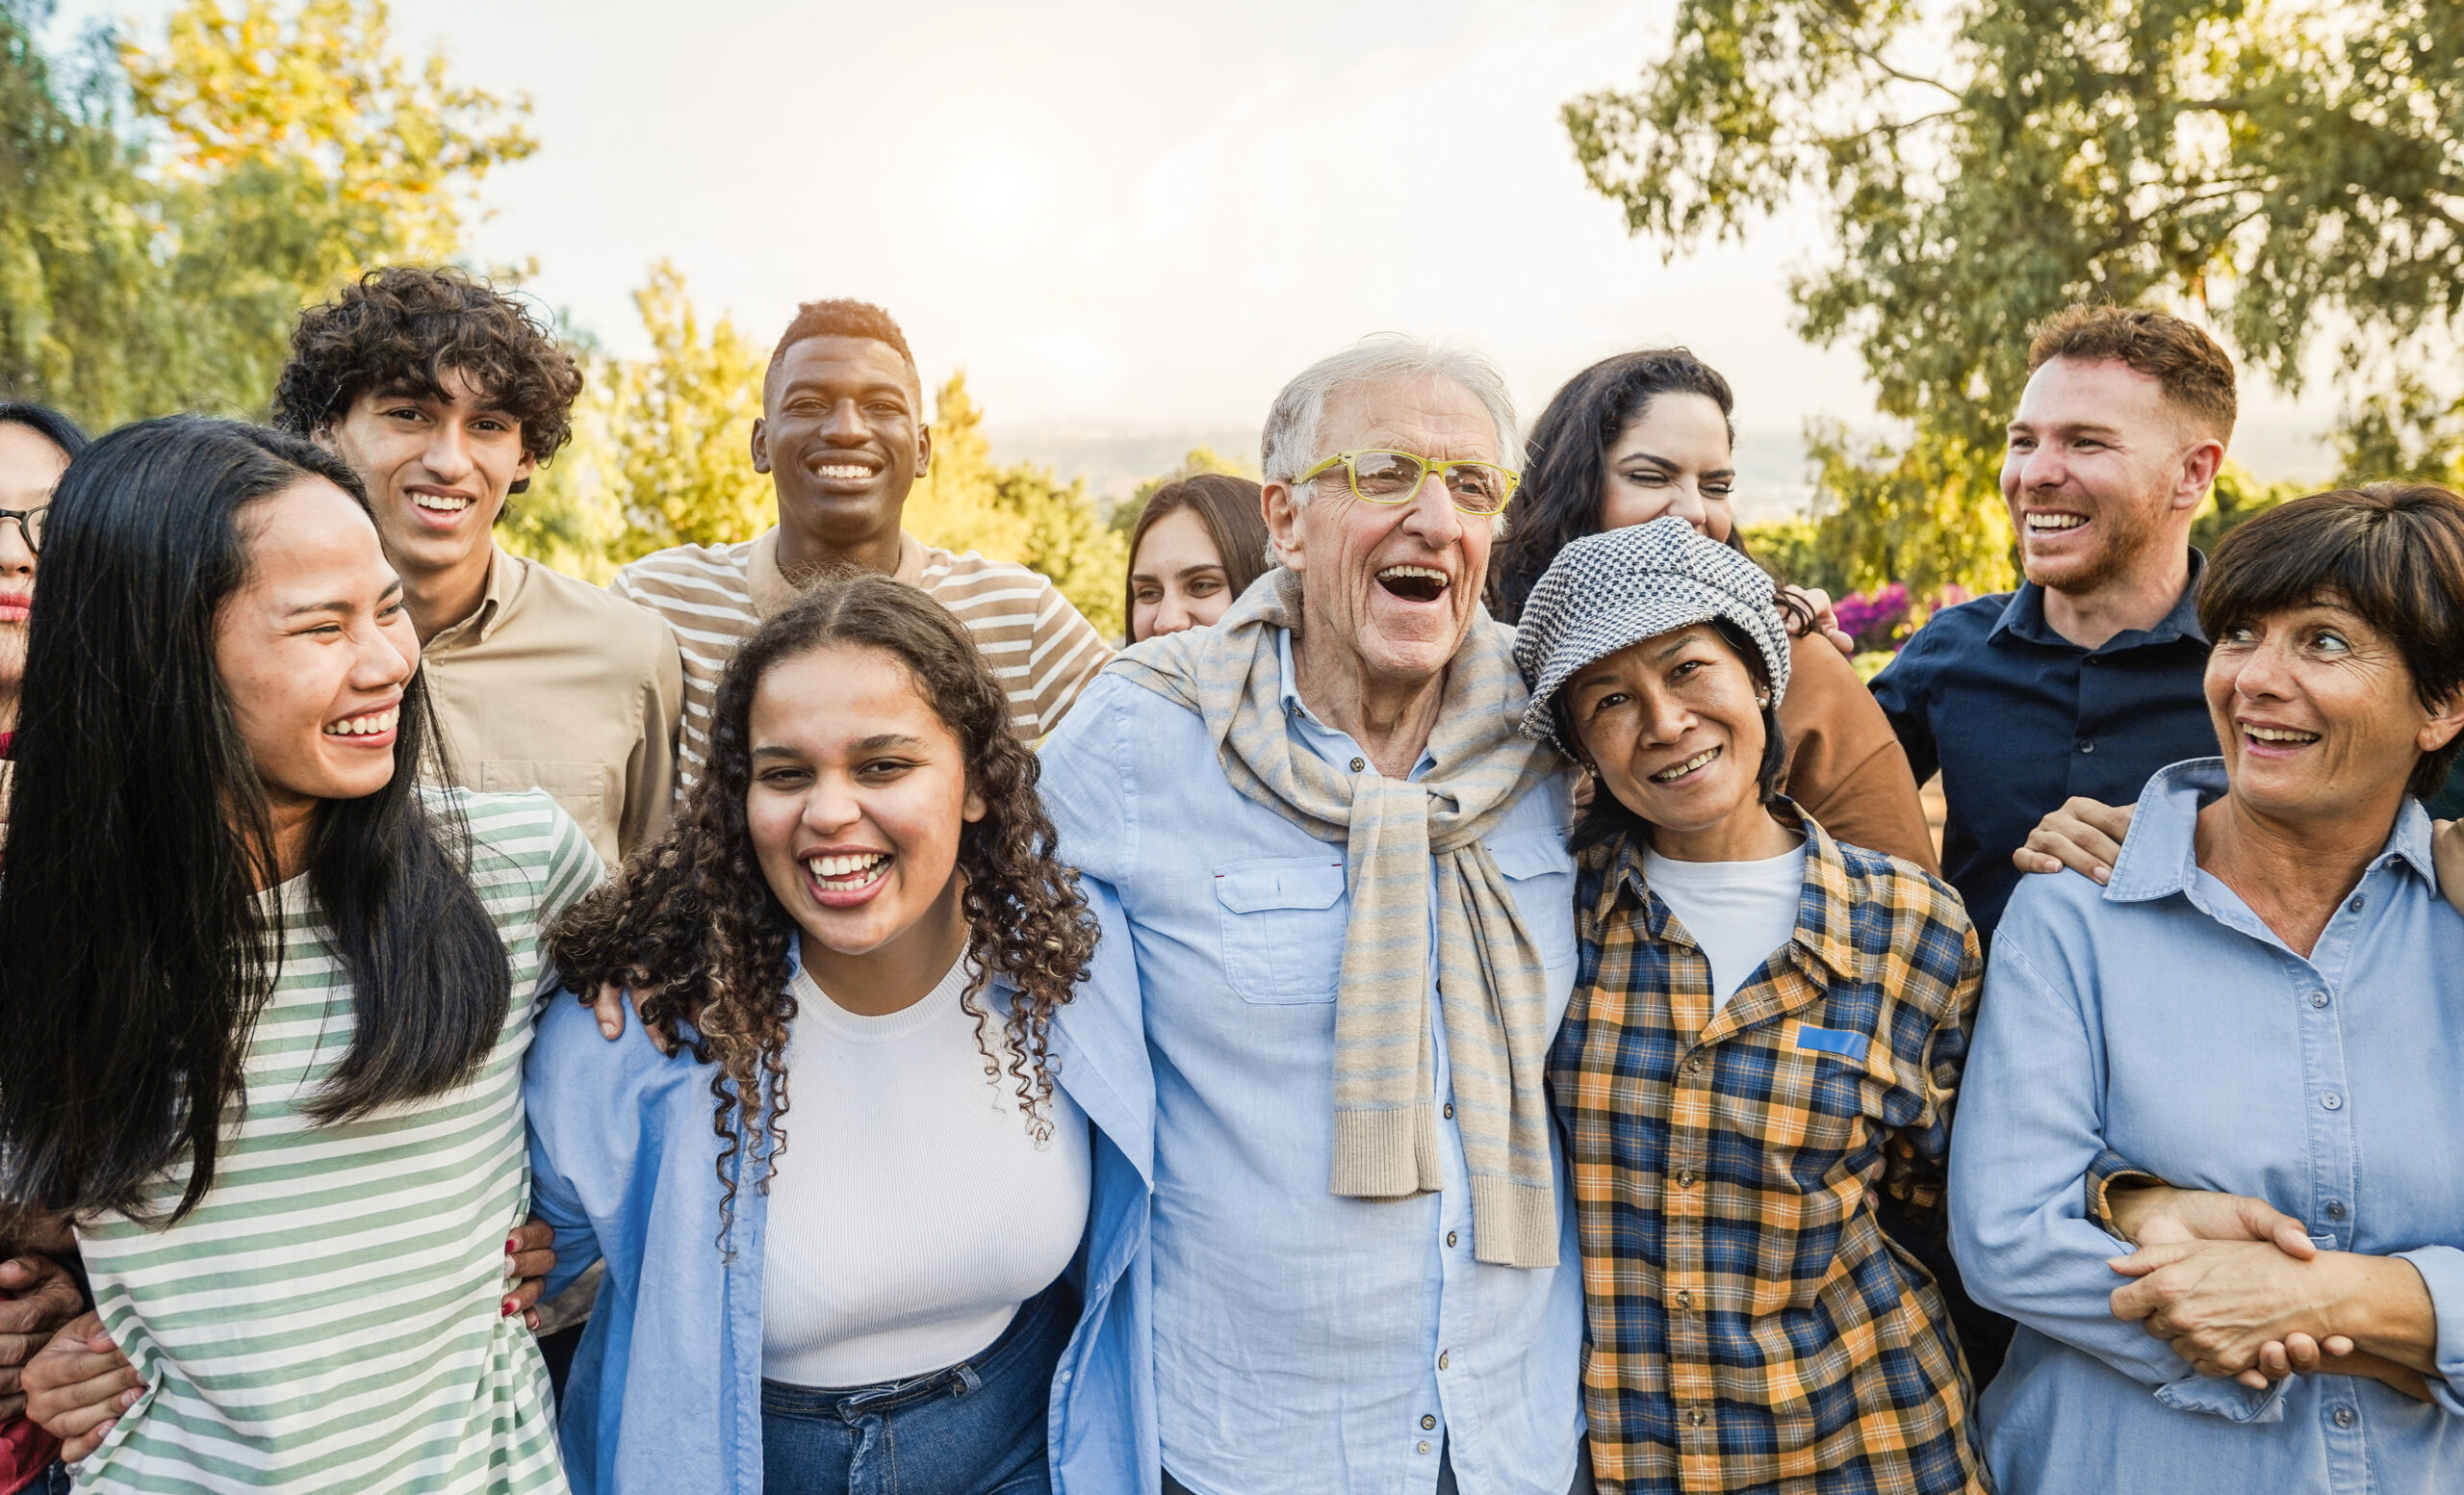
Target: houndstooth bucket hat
[(1606, 591)]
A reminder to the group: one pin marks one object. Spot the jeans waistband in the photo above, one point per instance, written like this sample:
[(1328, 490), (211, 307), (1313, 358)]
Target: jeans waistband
[(1029, 1326)]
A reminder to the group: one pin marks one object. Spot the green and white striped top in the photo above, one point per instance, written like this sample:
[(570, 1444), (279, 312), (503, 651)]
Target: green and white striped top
[(328, 1318)]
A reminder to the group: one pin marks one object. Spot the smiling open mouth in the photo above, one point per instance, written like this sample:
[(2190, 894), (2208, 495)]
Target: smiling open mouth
[(2284, 735), (2054, 524), (1698, 762), (366, 726), (846, 874), (442, 503), (1415, 583), (843, 472)]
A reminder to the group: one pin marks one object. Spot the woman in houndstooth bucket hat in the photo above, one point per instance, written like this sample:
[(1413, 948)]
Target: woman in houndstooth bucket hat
[(1763, 1050)]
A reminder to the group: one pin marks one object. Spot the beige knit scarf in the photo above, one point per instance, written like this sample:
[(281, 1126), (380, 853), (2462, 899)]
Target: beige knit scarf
[(1490, 974)]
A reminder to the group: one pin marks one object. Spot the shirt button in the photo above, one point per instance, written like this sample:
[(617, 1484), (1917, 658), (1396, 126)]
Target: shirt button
[(1442, 1358), (1685, 1178), (2317, 999), (1694, 1066), (1685, 1298), (2335, 1209), (1426, 1423), (1359, 763), (1449, 1110), (2332, 1101), (2086, 746), (2344, 1417), (1695, 1417), (1424, 1446), (1449, 1237), (2357, 905)]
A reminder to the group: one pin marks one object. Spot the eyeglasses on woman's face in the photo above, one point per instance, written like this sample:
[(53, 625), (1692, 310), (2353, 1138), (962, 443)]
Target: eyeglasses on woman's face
[(30, 521)]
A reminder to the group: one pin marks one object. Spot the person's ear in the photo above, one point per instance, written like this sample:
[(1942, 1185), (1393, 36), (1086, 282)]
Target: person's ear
[(762, 444), (2446, 720), (975, 809), (923, 449), (2199, 466), (1285, 525), (522, 472)]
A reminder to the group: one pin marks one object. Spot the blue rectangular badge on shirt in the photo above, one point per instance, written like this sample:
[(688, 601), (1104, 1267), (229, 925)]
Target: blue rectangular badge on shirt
[(1834, 1041)]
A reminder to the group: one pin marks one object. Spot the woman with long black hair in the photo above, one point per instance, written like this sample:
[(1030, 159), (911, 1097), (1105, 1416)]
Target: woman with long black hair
[(265, 999)]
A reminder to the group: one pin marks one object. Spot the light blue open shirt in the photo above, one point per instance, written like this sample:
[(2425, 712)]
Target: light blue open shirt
[(2158, 1019), (665, 1395), (1302, 1341)]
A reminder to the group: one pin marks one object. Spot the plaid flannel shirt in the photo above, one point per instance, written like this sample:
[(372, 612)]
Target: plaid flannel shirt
[(1751, 1326)]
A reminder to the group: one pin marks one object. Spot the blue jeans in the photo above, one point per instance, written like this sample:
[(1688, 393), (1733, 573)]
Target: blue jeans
[(974, 1428)]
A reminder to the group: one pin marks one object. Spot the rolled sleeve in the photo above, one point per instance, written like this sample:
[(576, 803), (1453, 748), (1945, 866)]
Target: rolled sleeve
[(2111, 1167), (2028, 1134), (2442, 1270)]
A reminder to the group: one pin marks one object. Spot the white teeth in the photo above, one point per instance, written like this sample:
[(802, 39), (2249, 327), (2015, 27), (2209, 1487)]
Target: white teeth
[(1669, 775), (2280, 734), (365, 725), (1429, 572), (855, 867), (847, 470), (2047, 523), (440, 502)]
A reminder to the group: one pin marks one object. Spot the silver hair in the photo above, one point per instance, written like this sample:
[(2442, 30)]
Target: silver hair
[(1289, 444)]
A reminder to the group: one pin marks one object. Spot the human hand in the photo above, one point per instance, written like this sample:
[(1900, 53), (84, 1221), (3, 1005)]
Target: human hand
[(2084, 835), (610, 1006), (529, 1255), (78, 1385), (2299, 1354), (2217, 1303), (1826, 618), (37, 1295), (2158, 1214)]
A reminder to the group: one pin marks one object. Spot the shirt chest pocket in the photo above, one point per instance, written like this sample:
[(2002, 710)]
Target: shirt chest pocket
[(1542, 875), (587, 792), (1283, 924)]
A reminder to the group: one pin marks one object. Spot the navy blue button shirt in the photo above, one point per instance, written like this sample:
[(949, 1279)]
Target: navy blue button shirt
[(2019, 718)]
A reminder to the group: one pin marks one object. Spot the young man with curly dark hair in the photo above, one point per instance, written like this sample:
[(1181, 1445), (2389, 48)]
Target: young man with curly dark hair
[(843, 437), (447, 396)]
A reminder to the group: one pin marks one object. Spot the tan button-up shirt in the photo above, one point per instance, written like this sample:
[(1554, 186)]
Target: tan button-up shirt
[(555, 685)]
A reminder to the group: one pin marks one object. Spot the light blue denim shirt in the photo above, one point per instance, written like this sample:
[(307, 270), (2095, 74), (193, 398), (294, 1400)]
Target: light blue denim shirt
[(2158, 1019), (665, 1395), (1302, 1341)]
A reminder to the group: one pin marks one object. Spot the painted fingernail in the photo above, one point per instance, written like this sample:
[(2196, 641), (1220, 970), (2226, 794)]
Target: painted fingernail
[(510, 1242), (506, 1311), (532, 1319)]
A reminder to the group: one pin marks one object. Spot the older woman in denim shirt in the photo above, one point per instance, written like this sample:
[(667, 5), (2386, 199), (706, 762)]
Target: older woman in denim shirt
[(2256, 1011)]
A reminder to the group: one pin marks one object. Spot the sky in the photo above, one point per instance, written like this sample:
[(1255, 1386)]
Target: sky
[(1129, 222)]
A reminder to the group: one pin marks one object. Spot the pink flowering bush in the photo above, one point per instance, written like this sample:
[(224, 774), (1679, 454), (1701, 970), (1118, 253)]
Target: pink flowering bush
[(1884, 619)]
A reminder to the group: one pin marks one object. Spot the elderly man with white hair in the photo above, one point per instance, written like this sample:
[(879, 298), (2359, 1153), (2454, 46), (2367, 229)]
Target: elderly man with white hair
[(1338, 939)]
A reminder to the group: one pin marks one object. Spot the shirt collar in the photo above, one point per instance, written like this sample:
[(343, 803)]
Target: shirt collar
[(1329, 743), (505, 575), (2024, 617), (1823, 909), (772, 591), (2160, 856)]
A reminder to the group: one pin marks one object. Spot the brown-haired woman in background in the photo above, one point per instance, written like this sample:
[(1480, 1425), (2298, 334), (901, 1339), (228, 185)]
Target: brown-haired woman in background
[(1199, 544)]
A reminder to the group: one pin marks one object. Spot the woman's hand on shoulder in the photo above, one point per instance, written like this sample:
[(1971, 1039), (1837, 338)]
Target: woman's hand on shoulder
[(2084, 835), (613, 1004), (1826, 619)]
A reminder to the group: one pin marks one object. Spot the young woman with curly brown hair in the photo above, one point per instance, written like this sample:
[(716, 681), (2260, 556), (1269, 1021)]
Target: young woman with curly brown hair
[(865, 1164)]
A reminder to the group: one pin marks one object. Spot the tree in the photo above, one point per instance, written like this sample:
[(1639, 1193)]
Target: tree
[(1201, 458), (165, 213), (676, 441), (2282, 168)]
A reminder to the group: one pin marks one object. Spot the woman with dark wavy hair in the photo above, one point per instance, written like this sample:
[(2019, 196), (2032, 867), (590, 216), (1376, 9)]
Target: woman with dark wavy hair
[(859, 933), (265, 999), (1648, 434)]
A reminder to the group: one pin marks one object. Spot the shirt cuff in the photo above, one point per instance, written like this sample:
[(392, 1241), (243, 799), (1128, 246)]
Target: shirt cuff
[(2222, 1396), (2109, 1168), (2442, 1270)]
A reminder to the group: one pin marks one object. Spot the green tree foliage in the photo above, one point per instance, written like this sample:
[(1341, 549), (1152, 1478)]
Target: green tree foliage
[(2289, 168), (1198, 459), (165, 212), (1017, 512), (677, 440)]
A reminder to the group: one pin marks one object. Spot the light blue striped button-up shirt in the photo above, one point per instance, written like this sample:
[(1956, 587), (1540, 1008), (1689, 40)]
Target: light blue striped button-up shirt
[(2160, 1018), (1303, 1341)]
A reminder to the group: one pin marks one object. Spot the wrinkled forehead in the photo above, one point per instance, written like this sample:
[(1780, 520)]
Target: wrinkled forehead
[(1430, 415)]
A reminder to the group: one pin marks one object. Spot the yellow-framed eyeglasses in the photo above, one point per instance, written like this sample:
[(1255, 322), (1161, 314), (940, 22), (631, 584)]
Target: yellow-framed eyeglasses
[(1395, 477)]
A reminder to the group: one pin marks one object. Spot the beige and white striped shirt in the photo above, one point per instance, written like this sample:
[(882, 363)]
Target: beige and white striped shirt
[(714, 596)]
